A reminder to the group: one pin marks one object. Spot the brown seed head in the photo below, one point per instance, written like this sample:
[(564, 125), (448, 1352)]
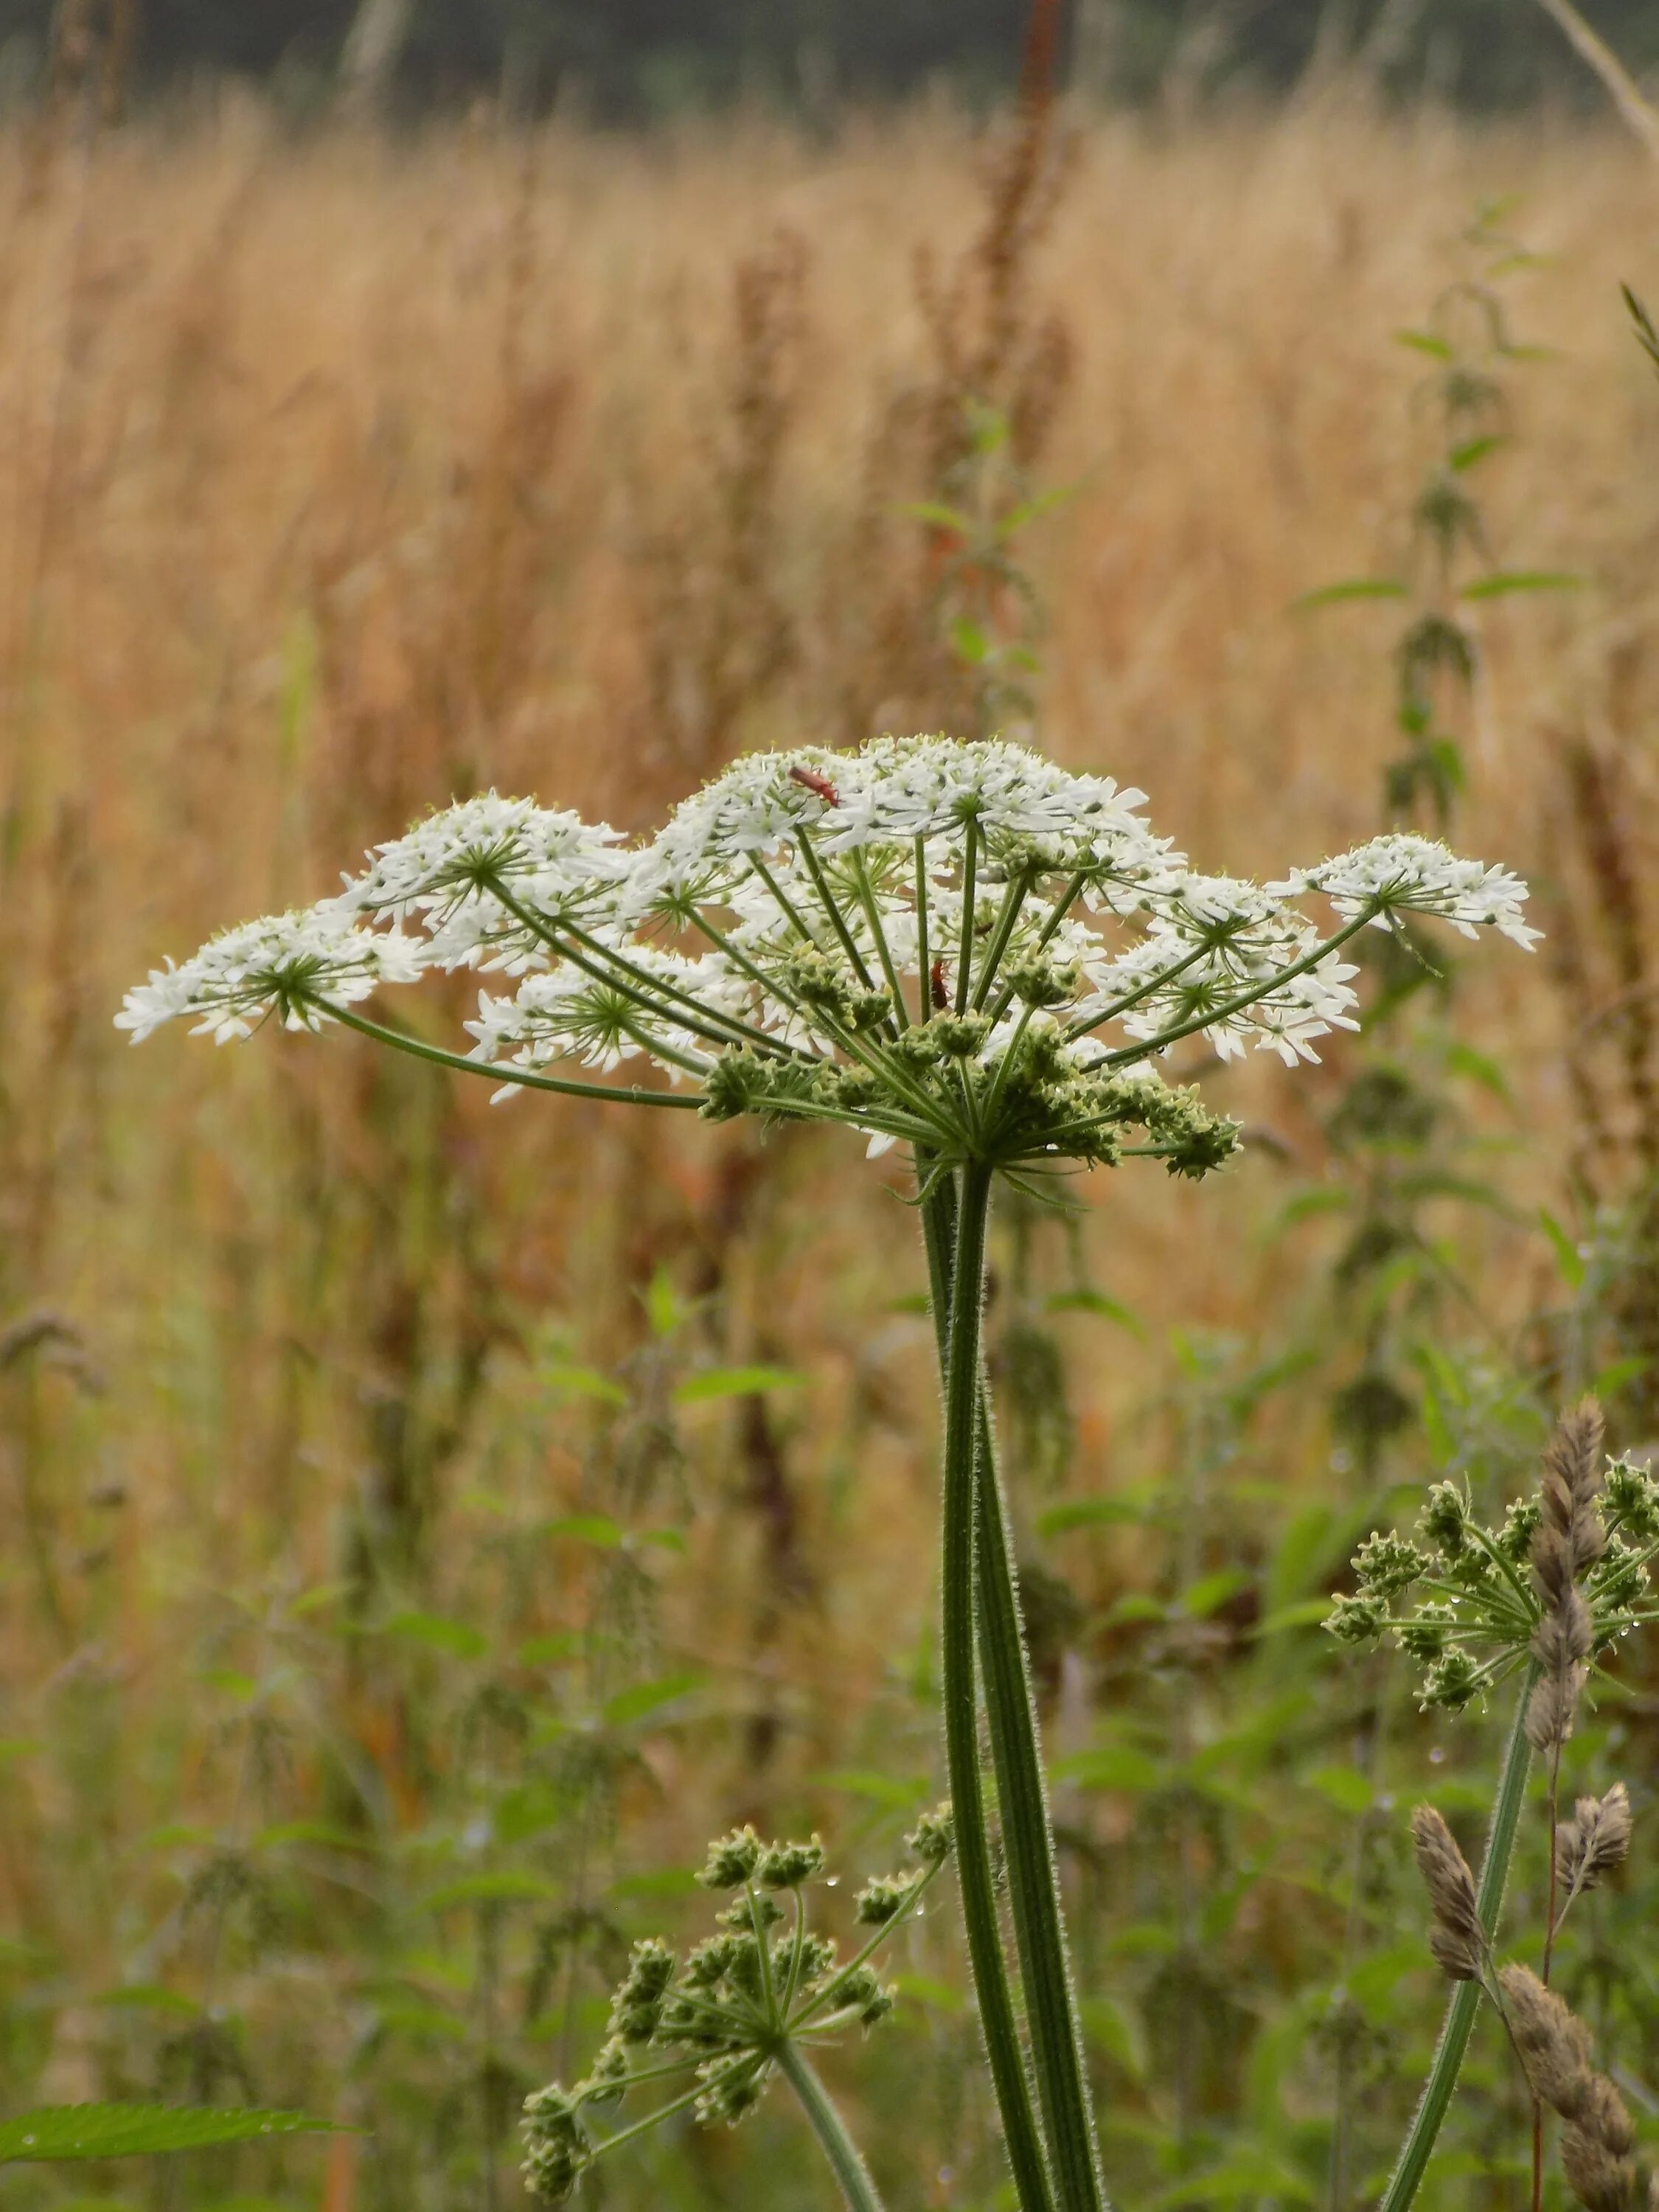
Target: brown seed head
[(1594, 1841), (1456, 1939), (1554, 2045), (1600, 2181)]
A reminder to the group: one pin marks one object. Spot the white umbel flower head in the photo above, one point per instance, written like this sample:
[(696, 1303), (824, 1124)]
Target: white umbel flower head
[(291, 965), (1400, 874), (474, 872)]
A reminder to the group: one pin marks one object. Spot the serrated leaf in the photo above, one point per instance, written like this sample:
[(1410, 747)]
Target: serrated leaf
[(65, 2131), (735, 1383), (640, 1701), (1504, 581), (457, 1639)]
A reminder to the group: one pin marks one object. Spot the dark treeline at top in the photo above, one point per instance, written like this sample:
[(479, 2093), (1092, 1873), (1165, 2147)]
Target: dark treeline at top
[(629, 60)]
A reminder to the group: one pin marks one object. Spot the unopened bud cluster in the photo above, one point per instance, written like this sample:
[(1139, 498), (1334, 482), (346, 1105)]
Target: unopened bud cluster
[(724, 2011), (1565, 1573)]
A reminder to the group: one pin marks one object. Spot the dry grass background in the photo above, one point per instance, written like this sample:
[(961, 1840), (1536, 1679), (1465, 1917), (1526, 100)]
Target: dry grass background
[(339, 477)]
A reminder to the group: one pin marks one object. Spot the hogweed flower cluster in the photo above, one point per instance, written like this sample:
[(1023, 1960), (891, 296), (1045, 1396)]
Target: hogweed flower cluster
[(740, 2007), (1567, 1573), (958, 946)]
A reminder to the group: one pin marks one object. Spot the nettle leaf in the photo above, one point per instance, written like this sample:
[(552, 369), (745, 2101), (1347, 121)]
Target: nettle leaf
[(65, 2131), (1112, 1767), (584, 1382), (735, 1383)]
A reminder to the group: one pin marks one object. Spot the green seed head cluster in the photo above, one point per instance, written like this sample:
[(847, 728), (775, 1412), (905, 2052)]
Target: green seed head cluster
[(723, 2013), (1469, 1602)]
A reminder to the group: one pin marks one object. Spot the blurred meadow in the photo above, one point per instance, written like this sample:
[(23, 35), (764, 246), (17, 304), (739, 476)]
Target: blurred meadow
[(426, 1521)]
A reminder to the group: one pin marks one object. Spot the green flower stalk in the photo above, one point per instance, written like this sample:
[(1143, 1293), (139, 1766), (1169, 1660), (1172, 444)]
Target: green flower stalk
[(958, 948)]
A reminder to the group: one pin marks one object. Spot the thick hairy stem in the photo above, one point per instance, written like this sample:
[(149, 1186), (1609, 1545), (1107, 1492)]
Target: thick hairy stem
[(1418, 2146), (827, 2124), (973, 1870), (1027, 1835)]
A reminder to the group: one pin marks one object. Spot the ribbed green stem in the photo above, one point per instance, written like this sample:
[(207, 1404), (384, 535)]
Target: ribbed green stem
[(1027, 1833), (974, 1871), (1418, 2146), (827, 2124)]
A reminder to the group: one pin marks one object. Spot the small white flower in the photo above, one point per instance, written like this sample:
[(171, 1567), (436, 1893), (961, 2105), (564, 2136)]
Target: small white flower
[(290, 964)]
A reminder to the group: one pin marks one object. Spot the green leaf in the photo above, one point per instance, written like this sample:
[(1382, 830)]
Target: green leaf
[(148, 1997), (1211, 1592), (457, 1639), (968, 642), (1473, 450), (926, 1991), (1614, 1376), (543, 1650), (529, 1809), (1423, 342), (320, 1833), (1084, 1300), (1503, 582), (1133, 1606), (1305, 1612), (1568, 1258), (1351, 587), (505, 1888), (644, 1698), (1091, 1513), (664, 1308), (584, 1382), (593, 1528), (1464, 1059), (735, 1383), (1112, 2030), (1250, 2173), (1111, 1766), (878, 1789), (1345, 1787), (63, 2131), (935, 511)]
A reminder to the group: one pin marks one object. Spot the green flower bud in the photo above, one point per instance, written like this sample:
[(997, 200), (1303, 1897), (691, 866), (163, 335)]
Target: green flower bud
[(1446, 1518), (933, 1837), (786, 1866), (1388, 1564), (960, 1036), (1450, 1683), (1424, 1635), (1520, 1525), (608, 2075), (750, 1919), (1356, 1619), (731, 1860), (1631, 1494), (1037, 981), (884, 1899)]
